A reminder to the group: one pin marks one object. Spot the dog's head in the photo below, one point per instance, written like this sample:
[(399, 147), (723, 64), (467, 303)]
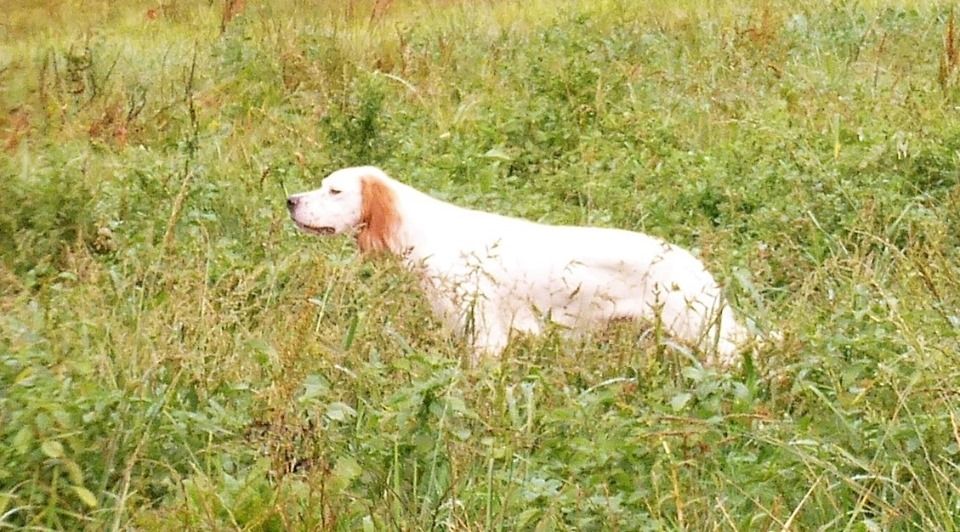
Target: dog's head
[(351, 200)]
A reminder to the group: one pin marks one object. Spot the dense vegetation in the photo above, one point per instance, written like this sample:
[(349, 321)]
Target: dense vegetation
[(174, 353)]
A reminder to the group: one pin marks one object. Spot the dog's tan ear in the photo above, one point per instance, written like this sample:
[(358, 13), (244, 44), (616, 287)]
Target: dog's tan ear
[(378, 217)]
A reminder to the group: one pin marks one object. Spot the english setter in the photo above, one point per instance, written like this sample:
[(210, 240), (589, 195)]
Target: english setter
[(487, 275)]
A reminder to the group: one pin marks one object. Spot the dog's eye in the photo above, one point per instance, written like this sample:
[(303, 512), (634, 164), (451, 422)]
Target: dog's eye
[(334, 192)]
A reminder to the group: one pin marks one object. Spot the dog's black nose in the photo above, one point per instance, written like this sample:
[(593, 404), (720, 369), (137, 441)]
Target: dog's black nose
[(292, 202)]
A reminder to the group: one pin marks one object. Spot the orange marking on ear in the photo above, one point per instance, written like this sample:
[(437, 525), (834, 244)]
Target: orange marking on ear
[(378, 217)]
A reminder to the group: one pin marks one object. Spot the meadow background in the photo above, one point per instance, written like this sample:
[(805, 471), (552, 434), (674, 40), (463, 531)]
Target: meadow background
[(174, 354)]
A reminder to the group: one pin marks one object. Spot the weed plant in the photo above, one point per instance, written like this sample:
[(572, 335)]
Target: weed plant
[(174, 354)]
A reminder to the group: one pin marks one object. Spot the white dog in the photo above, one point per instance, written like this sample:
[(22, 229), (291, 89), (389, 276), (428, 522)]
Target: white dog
[(487, 275)]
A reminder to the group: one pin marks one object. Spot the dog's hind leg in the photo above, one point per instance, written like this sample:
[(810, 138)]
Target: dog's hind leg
[(490, 335)]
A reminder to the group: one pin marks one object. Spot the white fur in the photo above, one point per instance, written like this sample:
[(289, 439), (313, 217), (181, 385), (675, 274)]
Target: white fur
[(486, 275)]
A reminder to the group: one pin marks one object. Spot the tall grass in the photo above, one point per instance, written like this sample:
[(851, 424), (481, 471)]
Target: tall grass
[(173, 352)]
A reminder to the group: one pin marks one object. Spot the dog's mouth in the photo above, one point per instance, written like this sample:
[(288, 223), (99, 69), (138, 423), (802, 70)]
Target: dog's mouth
[(322, 231)]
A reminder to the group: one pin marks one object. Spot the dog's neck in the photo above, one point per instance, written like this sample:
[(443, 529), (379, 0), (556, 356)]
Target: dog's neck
[(414, 216)]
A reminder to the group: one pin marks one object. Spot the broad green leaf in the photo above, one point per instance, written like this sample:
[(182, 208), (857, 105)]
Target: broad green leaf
[(340, 411), (52, 448), (680, 400), (313, 387), (347, 469), (22, 440), (498, 154)]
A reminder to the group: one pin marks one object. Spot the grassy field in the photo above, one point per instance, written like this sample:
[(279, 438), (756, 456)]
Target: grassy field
[(174, 354)]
